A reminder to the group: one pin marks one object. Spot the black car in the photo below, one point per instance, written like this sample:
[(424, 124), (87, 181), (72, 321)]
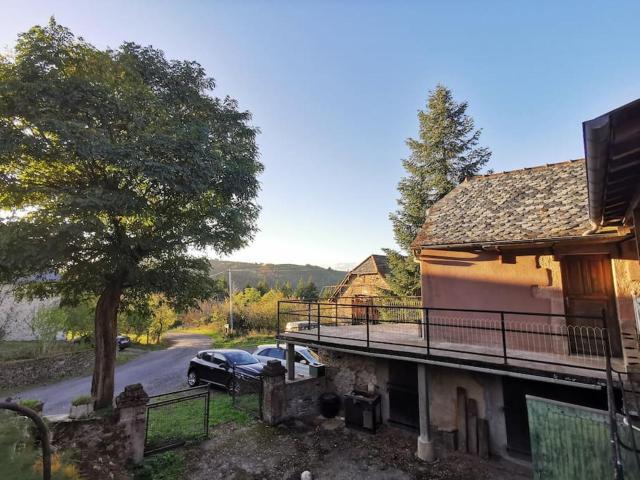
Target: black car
[(122, 341), (217, 367)]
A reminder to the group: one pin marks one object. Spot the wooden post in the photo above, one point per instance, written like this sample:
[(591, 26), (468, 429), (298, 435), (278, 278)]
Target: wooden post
[(472, 426), (461, 418)]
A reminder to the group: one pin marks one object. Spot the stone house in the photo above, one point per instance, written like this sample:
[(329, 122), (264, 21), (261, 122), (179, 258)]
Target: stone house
[(367, 279), (529, 279)]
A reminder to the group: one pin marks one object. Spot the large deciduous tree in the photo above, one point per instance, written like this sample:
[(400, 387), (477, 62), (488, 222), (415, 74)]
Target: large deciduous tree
[(444, 154), (116, 168)]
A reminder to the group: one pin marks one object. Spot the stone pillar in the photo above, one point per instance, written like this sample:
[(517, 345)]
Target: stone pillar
[(425, 444), (273, 393), (291, 361), (131, 409)]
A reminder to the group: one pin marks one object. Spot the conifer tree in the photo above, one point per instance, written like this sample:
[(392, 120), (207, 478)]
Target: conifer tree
[(445, 153)]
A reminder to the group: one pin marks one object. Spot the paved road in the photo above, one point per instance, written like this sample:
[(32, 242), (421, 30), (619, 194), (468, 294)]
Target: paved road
[(160, 371)]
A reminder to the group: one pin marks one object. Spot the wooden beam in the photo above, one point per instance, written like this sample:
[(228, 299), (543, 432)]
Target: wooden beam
[(636, 227)]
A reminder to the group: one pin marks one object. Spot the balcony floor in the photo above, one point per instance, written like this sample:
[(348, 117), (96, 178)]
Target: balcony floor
[(404, 340)]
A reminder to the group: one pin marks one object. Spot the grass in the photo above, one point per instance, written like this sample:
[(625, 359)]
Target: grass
[(163, 466), (183, 421), (220, 340), (20, 350)]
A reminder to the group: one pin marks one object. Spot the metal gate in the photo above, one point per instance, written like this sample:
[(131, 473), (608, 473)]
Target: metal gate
[(570, 442), (246, 393), (176, 418)]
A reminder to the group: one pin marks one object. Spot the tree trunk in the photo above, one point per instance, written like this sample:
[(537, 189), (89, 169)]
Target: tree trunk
[(106, 326)]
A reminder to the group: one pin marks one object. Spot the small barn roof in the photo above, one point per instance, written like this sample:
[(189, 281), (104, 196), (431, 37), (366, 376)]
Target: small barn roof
[(371, 265), (538, 203)]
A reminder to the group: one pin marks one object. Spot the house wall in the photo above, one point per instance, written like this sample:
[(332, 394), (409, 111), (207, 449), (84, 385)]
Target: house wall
[(369, 284), (626, 275), (532, 283), (482, 281), (16, 317)]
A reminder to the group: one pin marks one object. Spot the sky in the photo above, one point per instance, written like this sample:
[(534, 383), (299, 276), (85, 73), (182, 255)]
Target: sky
[(335, 86)]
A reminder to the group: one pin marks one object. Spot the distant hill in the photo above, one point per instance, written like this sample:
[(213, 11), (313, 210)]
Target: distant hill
[(244, 273)]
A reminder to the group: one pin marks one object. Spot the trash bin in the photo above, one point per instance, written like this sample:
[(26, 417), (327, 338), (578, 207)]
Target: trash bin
[(362, 411)]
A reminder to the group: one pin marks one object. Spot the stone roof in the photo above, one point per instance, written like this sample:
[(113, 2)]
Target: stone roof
[(371, 265), (535, 203)]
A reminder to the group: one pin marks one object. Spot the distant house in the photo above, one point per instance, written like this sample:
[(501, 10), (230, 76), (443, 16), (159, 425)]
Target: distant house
[(368, 279), (529, 279), (16, 317)]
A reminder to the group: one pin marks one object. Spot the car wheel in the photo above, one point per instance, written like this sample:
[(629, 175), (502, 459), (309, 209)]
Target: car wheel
[(192, 379)]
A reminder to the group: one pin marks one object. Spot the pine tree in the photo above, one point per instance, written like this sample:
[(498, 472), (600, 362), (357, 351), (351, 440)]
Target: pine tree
[(444, 154)]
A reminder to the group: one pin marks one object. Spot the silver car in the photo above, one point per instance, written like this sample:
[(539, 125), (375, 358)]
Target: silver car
[(304, 358)]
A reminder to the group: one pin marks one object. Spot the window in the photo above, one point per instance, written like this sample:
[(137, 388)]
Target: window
[(277, 353), (206, 356), (218, 359)]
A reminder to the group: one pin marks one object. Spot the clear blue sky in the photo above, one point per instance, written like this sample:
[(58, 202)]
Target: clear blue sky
[(335, 86)]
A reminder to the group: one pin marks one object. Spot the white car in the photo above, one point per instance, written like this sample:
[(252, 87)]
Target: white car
[(304, 357)]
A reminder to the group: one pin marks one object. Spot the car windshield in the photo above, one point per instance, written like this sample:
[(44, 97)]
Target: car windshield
[(310, 355), (241, 358)]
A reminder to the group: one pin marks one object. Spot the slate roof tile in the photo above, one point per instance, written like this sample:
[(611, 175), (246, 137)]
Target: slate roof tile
[(543, 202)]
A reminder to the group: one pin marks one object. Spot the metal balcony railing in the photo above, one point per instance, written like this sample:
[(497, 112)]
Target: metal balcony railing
[(506, 337)]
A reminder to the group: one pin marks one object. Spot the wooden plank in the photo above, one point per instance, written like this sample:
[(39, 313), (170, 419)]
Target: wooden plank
[(461, 418), (472, 426), (483, 438)]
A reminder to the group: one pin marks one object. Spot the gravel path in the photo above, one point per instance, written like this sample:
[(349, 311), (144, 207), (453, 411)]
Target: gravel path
[(159, 371)]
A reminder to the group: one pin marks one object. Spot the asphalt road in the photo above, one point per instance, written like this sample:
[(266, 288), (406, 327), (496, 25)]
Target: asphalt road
[(159, 372)]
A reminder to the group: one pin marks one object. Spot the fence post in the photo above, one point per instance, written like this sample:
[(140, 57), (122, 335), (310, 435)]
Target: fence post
[(616, 456), (206, 412), (318, 321), (337, 312), (309, 315), (426, 330), (366, 316), (504, 338), (278, 320)]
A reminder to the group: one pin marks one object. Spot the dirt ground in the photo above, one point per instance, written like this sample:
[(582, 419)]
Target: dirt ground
[(330, 452)]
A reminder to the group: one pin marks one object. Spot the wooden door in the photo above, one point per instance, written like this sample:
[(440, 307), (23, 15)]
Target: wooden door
[(587, 284)]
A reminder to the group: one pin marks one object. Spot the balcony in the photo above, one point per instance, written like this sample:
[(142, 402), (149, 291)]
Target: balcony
[(541, 344)]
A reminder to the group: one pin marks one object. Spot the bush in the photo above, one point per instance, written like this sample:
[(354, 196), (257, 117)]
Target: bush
[(31, 403), (82, 400)]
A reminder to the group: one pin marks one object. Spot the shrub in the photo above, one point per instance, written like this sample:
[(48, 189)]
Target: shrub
[(82, 400)]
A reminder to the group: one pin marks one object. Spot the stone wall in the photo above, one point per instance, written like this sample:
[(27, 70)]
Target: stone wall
[(22, 373), (301, 396)]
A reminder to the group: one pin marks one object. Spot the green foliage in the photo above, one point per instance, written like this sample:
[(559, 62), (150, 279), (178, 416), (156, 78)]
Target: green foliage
[(444, 154), (46, 325), (121, 164), (247, 296), (82, 400), (31, 403), (404, 276), (306, 291), (153, 318), (163, 466)]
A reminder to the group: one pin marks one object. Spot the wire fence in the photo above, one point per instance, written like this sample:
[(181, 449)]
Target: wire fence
[(246, 393)]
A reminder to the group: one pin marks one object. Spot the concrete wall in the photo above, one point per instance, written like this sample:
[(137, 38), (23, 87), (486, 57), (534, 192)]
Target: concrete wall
[(301, 396), (485, 389), (346, 370)]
